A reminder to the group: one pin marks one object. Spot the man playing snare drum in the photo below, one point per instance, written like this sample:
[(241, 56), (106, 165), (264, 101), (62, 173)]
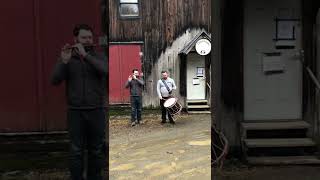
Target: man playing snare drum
[(165, 86)]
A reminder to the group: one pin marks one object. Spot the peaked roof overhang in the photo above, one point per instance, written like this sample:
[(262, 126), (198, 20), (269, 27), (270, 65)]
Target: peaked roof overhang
[(189, 46)]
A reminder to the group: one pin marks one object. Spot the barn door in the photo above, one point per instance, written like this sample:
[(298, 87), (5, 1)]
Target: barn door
[(18, 70), (272, 75), (122, 60), (28, 100), (53, 33)]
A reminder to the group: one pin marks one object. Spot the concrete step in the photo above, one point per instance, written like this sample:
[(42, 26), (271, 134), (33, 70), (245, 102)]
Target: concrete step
[(284, 160), (199, 112), (198, 106), (202, 101), (284, 142), (276, 125)]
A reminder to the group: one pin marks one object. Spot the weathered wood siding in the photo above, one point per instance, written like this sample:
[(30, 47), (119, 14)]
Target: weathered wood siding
[(123, 30), (230, 93), (317, 53), (227, 77), (310, 95), (169, 60), (162, 22)]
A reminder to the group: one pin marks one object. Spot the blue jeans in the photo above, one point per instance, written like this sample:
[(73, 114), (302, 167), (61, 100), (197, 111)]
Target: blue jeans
[(136, 108), (87, 131)]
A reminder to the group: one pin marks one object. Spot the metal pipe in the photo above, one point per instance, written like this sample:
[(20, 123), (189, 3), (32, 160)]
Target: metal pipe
[(311, 74), (313, 77)]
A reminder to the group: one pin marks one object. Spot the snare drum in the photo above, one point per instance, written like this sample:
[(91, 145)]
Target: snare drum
[(172, 106)]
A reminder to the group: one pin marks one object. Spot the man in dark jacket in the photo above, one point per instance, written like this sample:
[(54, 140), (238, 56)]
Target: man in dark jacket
[(136, 86), (85, 75)]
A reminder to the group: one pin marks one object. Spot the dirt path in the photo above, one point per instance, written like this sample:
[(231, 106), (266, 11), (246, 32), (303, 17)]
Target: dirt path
[(155, 151)]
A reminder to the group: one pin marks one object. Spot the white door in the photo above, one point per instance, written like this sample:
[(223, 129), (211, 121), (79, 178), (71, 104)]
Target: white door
[(196, 80), (277, 95)]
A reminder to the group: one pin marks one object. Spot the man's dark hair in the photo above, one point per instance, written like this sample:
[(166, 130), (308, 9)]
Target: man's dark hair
[(164, 71), (78, 27), (135, 70)]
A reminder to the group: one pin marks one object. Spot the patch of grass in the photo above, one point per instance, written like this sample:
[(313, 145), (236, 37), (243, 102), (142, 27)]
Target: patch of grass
[(126, 111), (119, 111)]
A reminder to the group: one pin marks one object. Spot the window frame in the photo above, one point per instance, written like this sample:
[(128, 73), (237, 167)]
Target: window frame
[(129, 17)]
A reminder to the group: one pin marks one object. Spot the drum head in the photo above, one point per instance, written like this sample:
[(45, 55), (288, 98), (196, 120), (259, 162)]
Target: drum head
[(169, 102)]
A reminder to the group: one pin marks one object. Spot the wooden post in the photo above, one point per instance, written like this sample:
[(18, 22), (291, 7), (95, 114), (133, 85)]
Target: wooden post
[(105, 31), (215, 67), (216, 63)]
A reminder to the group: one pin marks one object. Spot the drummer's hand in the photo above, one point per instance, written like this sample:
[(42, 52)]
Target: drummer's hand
[(160, 98)]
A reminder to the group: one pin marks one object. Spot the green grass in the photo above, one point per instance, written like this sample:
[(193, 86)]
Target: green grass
[(126, 111)]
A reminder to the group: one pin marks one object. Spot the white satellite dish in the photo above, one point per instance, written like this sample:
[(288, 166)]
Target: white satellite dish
[(203, 47)]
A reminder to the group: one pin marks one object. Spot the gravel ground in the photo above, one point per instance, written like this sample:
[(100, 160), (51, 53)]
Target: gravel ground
[(155, 151)]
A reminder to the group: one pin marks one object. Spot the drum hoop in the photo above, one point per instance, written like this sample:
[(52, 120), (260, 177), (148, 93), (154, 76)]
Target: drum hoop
[(175, 102)]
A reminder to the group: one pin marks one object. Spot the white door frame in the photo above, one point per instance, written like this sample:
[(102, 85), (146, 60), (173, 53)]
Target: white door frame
[(202, 80)]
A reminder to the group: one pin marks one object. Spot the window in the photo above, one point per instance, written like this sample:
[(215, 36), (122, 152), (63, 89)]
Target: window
[(129, 8)]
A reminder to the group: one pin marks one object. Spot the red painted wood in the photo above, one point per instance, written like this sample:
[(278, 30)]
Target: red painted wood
[(56, 29), (123, 59), (33, 32), (18, 70), (114, 74)]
